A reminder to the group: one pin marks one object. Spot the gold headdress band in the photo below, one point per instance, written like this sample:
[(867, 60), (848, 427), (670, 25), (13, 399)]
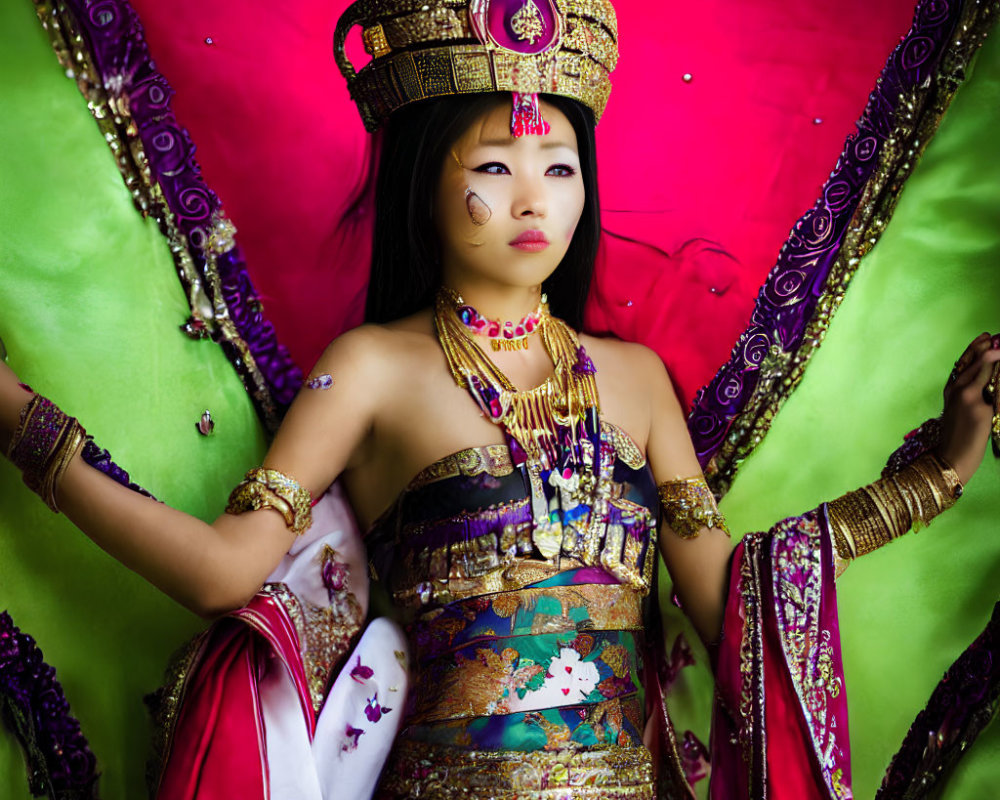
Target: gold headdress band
[(433, 48)]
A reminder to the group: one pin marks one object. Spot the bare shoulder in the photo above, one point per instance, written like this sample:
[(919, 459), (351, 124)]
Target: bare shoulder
[(377, 352), (632, 364)]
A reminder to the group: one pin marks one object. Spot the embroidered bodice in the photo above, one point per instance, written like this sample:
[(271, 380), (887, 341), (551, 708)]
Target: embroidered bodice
[(518, 653)]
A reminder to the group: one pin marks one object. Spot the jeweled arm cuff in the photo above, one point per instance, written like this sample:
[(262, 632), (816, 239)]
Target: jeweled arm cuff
[(269, 488), (43, 445), (688, 506), (863, 520)]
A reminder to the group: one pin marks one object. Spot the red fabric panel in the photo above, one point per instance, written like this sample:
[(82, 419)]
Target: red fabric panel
[(732, 157), (218, 741)]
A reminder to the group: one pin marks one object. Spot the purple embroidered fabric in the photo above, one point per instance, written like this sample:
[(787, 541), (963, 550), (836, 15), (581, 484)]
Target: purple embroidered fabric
[(119, 51), (798, 281), (101, 460), (961, 706), (34, 707)]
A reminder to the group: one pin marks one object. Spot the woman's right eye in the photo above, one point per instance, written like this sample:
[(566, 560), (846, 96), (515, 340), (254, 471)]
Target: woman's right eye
[(493, 168)]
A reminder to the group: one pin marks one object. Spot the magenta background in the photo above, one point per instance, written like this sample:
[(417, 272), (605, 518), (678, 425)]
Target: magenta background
[(725, 162)]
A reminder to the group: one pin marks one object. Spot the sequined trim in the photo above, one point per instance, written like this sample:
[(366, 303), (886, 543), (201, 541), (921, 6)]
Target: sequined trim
[(734, 411), (809, 648), (107, 55), (164, 706), (493, 459), (622, 540), (627, 451), (325, 633), (417, 770)]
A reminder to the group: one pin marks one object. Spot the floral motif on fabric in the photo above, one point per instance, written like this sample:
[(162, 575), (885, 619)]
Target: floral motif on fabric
[(527, 673), (325, 632), (809, 646)]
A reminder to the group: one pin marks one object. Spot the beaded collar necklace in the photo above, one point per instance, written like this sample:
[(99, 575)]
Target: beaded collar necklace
[(553, 430), (502, 335)]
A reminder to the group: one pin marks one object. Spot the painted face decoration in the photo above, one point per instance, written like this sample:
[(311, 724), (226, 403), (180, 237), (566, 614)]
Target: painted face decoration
[(507, 207), (479, 212)]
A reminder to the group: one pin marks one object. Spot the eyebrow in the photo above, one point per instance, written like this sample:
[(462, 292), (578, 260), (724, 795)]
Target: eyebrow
[(506, 142)]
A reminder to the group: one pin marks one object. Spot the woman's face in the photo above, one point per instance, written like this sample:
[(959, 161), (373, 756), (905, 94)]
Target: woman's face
[(506, 208)]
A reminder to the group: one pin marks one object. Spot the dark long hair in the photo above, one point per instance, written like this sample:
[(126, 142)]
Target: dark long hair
[(406, 269)]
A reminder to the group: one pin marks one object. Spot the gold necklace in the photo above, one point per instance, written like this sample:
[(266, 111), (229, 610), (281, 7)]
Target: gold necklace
[(538, 419)]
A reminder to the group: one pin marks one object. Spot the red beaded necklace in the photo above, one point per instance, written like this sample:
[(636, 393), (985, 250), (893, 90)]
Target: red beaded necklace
[(502, 335)]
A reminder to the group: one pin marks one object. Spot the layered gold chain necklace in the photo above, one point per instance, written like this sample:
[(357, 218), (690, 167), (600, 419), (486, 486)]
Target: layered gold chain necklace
[(535, 418), (552, 429)]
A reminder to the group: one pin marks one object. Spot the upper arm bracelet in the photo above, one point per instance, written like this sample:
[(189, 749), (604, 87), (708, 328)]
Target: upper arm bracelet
[(688, 506), (269, 488)]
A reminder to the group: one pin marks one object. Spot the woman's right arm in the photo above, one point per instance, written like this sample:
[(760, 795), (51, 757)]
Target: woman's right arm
[(214, 568)]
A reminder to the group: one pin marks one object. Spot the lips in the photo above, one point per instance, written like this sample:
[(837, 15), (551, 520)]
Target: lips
[(530, 241)]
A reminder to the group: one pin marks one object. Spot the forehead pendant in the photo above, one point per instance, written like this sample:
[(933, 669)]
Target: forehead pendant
[(527, 28)]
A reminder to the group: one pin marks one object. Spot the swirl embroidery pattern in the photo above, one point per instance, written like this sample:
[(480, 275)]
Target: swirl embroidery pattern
[(811, 648), (102, 45), (733, 412)]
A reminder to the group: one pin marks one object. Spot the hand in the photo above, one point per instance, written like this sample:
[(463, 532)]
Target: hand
[(967, 414)]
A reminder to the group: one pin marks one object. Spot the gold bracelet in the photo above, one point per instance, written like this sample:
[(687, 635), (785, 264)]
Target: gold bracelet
[(864, 520), (688, 506), (269, 488), (42, 446), (71, 443)]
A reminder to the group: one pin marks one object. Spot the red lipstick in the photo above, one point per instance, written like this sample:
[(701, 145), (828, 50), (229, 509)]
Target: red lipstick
[(532, 241)]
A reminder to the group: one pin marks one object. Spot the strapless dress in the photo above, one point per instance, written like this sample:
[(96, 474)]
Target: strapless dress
[(526, 654)]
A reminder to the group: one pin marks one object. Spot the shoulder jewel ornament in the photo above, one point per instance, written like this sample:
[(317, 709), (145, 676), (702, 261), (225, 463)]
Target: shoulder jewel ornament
[(422, 49)]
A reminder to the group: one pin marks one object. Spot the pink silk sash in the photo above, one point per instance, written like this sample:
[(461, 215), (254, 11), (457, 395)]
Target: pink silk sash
[(780, 723), (218, 747)]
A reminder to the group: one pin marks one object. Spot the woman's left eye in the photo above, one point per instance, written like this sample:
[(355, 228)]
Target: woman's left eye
[(561, 171)]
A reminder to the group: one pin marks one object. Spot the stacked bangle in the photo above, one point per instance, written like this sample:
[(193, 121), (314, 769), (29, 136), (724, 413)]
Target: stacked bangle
[(864, 520), (43, 445)]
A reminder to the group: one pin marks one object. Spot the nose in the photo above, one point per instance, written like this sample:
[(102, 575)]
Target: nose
[(530, 199)]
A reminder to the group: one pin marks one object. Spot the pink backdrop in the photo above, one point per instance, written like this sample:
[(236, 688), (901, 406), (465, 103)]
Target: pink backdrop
[(713, 170)]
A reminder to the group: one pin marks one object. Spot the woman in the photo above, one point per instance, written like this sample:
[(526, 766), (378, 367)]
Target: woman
[(506, 213)]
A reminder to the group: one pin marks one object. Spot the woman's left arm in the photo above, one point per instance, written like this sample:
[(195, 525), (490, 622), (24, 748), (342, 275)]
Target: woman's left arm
[(693, 539)]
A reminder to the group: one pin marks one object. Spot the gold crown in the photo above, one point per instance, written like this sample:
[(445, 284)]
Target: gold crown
[(433, 48)]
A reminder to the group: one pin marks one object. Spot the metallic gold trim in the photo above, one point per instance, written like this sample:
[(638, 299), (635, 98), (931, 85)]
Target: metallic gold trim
[(203, 287), (416, 769), (492, 459), (919, 113)]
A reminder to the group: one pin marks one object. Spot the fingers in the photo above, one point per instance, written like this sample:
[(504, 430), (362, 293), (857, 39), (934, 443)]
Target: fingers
[(969, 369)]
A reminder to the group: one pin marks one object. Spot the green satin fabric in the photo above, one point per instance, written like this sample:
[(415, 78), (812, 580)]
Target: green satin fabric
[(927, 289), (90, 307)]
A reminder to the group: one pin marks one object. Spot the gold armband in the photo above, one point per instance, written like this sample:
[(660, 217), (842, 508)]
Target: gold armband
[(866, 519), (688, 506), (268, 488), (43, 445)]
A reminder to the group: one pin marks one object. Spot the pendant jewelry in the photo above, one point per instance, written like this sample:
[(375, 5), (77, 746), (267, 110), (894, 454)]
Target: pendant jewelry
[(553, 430), (502, 335)]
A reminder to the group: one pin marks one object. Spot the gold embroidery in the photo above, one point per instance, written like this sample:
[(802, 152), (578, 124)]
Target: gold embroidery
[(626, 449), (527, 22), (416, 769), (325, 632), (493, 460)]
